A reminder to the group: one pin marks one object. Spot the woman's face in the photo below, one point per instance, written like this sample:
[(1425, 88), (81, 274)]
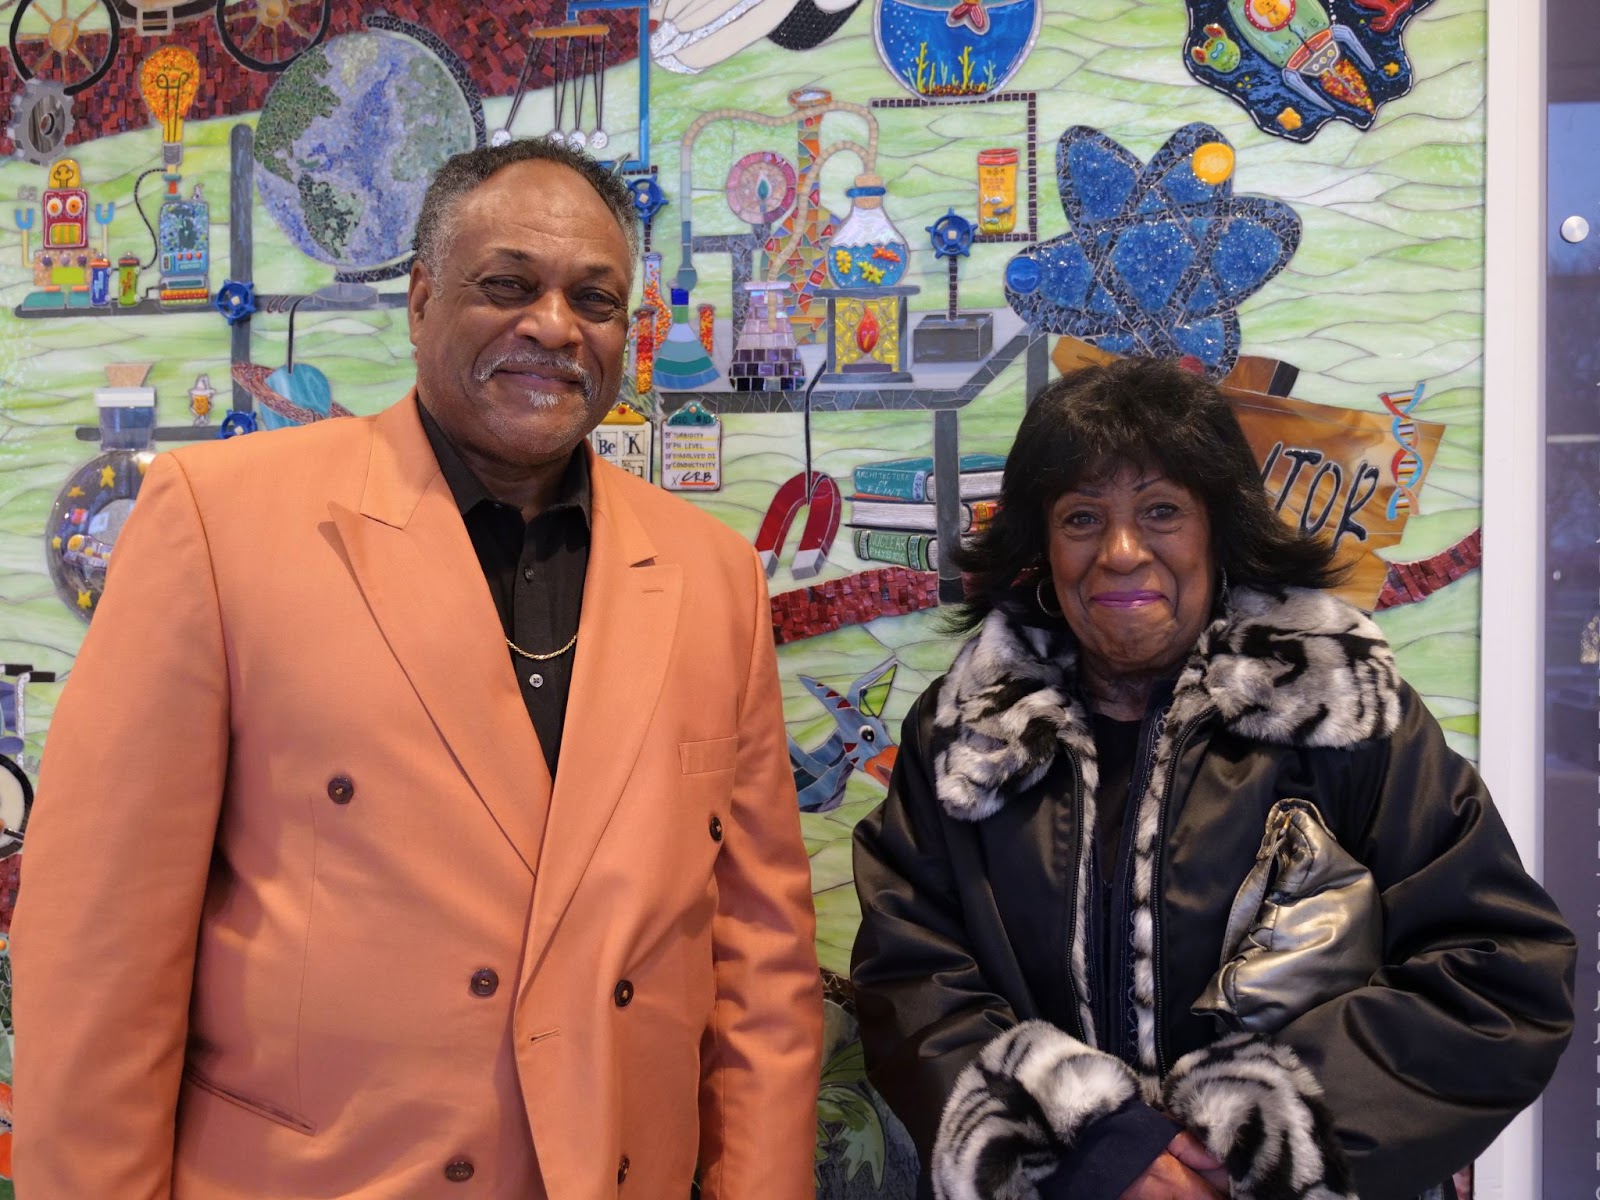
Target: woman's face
[(1130, 558)]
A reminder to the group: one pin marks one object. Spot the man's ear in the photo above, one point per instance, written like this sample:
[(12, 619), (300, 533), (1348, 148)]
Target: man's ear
[(417, 296)]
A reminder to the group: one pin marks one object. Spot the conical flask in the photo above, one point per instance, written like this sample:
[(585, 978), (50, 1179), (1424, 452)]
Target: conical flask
[(867, 250)]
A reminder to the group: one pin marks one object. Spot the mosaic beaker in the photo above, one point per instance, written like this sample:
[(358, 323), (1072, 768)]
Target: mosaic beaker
[(681, 362), (765, 358), (867, 251)]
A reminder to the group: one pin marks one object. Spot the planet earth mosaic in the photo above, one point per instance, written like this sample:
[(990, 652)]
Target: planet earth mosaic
[(347, 141)]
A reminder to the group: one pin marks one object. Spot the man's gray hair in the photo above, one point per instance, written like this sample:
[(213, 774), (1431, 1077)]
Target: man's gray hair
[(464, 172)]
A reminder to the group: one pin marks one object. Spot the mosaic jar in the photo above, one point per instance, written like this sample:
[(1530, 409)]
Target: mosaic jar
[(867, 250)]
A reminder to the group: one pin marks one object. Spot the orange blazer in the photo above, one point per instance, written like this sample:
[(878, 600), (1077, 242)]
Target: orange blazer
[(304, 916)]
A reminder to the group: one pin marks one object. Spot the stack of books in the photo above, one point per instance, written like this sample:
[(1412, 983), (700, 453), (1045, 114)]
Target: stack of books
[(892, 513)]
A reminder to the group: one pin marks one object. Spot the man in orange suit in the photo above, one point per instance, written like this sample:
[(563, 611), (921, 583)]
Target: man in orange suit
[(417, 820)]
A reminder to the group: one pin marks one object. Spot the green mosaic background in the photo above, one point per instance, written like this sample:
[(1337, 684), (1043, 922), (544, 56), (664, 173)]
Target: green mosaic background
[(1385, 290)]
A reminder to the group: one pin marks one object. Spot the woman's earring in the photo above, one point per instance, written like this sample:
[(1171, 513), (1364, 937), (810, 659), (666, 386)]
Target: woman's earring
[(1038, 593), (1222, 590)]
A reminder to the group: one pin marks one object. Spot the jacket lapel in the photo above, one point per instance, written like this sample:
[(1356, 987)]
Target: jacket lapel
[(625, 637), (415, 565)]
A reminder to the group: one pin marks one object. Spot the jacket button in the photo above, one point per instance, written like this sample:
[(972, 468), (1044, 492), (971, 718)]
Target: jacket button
[(622, 993), (622, 1169), (341, 789), (485, 982), (459, 1171), (716, 829)]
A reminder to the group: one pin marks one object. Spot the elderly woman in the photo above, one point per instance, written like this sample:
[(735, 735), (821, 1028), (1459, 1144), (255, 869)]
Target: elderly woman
[(1178, 890)]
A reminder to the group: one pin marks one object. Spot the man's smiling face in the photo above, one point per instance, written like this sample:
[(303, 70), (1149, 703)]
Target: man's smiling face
[(520, 327)]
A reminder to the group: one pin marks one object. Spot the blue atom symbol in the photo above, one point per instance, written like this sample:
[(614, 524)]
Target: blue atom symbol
[(1160, 256)]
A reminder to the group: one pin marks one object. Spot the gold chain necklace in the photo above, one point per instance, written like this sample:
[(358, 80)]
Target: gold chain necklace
[(516, 649)]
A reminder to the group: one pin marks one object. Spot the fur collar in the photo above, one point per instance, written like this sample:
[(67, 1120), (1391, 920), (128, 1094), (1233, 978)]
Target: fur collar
[(1290, 667)]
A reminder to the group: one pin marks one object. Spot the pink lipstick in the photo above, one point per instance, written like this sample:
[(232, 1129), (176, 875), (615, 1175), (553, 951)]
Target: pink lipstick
[(1126, 599)]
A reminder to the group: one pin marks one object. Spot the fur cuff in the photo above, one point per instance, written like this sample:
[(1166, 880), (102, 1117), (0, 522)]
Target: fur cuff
[(1260, 1111), (1017, 1107)]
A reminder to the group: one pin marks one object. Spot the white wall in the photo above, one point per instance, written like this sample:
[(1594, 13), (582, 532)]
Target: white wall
[(1512, 666)]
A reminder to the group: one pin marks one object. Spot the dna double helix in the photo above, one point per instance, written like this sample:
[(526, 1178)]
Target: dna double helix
[(1406, 467)]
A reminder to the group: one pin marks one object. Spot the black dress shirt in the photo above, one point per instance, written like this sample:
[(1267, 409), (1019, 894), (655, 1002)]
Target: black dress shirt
[(535, 573)]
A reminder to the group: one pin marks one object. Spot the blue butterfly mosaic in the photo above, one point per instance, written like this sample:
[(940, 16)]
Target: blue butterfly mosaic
[(1295, 65), (1160, 256)]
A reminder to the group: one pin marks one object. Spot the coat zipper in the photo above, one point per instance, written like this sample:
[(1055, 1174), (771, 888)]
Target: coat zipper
[(1073, 932)]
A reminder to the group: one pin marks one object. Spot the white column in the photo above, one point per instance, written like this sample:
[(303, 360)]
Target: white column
[(1511, 689)]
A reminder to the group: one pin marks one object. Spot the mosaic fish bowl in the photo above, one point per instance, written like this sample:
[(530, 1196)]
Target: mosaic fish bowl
[(957, 50), (867, 251)]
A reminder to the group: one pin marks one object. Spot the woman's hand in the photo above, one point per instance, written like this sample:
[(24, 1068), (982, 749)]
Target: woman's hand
[(1185, 1171)]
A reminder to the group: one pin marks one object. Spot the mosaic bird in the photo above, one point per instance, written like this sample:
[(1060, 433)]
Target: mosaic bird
[(860, 739)]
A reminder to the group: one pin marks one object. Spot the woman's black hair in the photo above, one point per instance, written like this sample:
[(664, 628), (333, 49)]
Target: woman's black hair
[(1150, 413)]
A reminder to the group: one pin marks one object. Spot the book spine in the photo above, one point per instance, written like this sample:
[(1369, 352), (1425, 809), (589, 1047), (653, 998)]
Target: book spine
[(919, 551), (983, 512), (965, 484), (896, 482)]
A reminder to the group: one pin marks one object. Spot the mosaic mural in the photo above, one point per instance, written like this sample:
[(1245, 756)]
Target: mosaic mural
[(873, 229)]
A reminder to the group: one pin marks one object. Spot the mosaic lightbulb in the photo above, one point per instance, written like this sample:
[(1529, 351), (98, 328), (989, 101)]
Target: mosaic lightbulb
[(170, 80)]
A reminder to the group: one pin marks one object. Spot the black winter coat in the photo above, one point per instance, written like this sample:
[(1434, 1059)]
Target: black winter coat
[(978, 970)]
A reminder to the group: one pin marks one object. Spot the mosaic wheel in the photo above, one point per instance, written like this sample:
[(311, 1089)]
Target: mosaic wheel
[(16, 804), (49, 40)]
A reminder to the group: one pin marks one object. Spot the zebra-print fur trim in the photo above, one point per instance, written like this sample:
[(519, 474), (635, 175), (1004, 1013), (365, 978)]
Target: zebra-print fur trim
[(1260, 1111), (1301, 668), (1189, 703), (1291, 667), (1006, 710), (1017, 1107)]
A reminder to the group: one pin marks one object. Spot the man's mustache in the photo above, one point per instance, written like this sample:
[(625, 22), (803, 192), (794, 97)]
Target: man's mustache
[(537, 360)]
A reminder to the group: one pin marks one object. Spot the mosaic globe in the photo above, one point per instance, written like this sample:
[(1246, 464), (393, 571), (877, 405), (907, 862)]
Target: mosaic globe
[(349, 137)]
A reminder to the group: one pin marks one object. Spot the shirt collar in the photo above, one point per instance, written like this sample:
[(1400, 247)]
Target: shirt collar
[(468, 489)]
